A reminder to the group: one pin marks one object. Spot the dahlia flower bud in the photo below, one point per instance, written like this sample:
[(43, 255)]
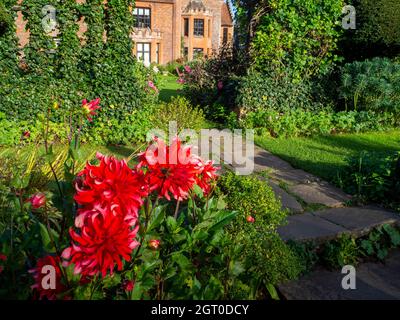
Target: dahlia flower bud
[(250, 219), (128, 285), (154, 244), (38, 200)]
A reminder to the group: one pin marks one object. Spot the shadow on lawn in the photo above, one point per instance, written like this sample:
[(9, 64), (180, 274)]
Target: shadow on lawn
[(351, 146), (167, 94)]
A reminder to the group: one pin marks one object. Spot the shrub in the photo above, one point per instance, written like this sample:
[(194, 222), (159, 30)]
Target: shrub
[(124, 130), (371, 85), (214, 81), (297, 35), (179, 110), (258, 91), (252, 242)]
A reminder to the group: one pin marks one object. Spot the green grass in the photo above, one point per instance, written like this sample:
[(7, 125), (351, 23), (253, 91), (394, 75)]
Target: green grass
[(168, 87), (325, 156)]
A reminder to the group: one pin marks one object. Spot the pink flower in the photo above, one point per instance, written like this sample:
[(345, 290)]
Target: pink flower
[(90, 108), (178, 72), (220, 85), (154, 244), (180, 81), (152, 86), (128, 285), (38, 200), (188, 69), (250, 219)]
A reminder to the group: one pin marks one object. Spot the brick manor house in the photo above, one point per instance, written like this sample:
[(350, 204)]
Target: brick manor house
[(166, 30)]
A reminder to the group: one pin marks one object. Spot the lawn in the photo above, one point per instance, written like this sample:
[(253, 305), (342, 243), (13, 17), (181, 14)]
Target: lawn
[(168, 87), (325, 156)]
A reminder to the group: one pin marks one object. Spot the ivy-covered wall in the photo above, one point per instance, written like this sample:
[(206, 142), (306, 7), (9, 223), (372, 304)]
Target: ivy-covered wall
[(101, 66)]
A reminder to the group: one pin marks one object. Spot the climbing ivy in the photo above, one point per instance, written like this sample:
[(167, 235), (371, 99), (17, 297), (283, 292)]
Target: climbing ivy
[(102, 65)]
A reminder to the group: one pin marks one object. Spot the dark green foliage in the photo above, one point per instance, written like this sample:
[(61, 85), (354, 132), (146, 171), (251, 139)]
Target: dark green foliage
[(340, 252), (371, 85), (373, 177), (377, 31), (380, 241), (201, 85), (298, 122), (259, 91), (306, 251), (299, 36)]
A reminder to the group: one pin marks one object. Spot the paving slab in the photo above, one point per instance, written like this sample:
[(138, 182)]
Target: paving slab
[(265, 160), (302, 227), (294, 176), (374, 281), (359, 220), (288, 201), (320, 193)]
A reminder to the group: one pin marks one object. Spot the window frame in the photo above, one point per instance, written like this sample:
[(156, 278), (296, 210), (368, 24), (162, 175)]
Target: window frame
[(197, 30), (141, 53), (142, 21), (186, 27)]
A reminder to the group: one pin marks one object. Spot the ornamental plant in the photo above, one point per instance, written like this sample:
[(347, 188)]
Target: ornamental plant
[(118, 229)]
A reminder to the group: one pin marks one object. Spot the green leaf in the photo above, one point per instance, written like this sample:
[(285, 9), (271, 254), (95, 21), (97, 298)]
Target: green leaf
[(236, 268), (171, 224), (223, 219), (46, 240), (272, 291), (393, 234), (157, 217), (182, 261), (198, 191)]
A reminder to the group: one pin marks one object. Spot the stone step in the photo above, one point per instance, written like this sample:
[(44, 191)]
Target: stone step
[(374, 281), (320, 193), (288, 201), (328, 224)]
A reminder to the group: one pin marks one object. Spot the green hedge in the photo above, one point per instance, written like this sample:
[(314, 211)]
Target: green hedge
[(298, 122)]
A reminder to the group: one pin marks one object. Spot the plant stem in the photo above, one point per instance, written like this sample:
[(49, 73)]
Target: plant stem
[(177, 209)]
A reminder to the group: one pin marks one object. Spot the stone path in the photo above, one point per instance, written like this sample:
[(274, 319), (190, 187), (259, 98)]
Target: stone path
[(320, 212), (374, 281)]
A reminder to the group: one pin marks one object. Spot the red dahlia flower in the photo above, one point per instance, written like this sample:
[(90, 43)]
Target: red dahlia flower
[(208, 173), (171, 170), (40, 272), (110, 187), (91, 107), (38, 200), (101, 243)]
